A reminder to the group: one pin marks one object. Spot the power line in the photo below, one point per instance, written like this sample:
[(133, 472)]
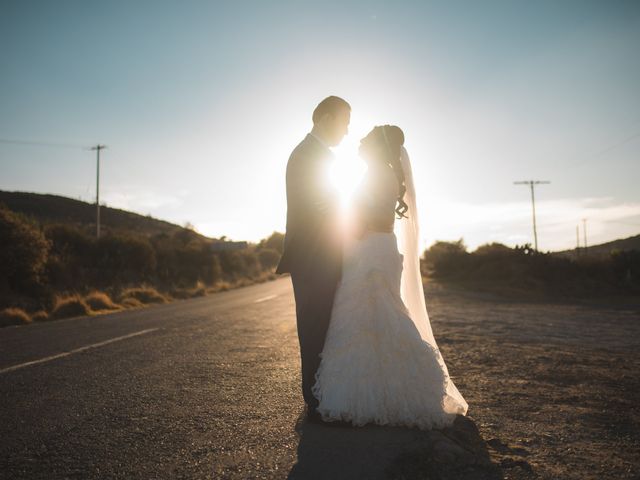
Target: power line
[(595, 156), (41, 144)]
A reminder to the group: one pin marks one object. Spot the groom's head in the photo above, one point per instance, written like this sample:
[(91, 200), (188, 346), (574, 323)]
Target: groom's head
[(331, 120)]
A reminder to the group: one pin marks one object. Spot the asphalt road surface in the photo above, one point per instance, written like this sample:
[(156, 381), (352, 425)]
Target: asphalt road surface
[(201, 388)]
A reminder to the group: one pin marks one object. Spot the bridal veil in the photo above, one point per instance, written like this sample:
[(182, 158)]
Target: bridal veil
[(412, 292)]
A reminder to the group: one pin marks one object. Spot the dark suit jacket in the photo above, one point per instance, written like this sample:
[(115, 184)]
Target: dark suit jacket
[(312, 243)]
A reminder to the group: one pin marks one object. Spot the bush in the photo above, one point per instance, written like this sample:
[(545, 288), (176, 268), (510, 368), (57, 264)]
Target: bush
[(184, 293), (131, 302), (529, 271), (447, 258), (143, 295), (233, 264), (71, 306), (273, 242), (23, 252), (269, 258), (626, 265), (38, 263), (251, 262), (184, 260), (124, 258), (100, 301), (494, 249), (69, 241), (71, 257), (40, 316), (14, 316)]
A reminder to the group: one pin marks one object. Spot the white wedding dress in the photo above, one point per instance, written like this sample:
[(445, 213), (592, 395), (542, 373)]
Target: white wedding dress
[(380, 363)]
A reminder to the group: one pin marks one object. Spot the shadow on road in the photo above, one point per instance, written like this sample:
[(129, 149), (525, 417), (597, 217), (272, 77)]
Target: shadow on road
[(376, 452)]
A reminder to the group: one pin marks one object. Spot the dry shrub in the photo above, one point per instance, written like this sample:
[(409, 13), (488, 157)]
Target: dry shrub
[(266, 277), (100, 301), (40, 316), (199, 291), (144, 295), (72, 306), (219, 287), (244, 282), (180, 293), (131, 302), (14, 316), (184, 293)]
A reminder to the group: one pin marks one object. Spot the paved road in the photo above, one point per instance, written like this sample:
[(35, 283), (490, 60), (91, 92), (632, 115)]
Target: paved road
[(201, 388)]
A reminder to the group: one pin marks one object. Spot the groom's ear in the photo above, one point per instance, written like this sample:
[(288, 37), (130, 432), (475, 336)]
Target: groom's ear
[(324, 119)]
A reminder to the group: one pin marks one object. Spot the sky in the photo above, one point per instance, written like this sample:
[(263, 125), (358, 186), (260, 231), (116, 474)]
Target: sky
[(201, 102)]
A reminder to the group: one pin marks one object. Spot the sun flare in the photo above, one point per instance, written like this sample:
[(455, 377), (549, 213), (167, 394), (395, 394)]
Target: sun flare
[(345, 175)]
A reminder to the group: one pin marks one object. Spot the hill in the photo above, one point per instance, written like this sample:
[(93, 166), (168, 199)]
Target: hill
[(605, 249), (50, 209)]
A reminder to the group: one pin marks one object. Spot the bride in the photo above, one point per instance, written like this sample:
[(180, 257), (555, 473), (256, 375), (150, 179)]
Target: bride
[(380, 362)]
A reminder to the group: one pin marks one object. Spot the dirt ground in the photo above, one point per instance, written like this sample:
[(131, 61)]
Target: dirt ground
[(552, 389)]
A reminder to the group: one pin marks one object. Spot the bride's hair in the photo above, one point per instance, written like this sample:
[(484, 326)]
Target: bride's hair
[(392, 137)]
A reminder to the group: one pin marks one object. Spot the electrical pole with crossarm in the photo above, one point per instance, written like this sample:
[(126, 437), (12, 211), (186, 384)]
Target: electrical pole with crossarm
[(531, 184), (97, 148)]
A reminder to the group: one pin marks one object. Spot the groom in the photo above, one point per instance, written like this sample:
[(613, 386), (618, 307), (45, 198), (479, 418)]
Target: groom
[(312, 244)]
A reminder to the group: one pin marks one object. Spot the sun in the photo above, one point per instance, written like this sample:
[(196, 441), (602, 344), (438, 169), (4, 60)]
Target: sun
[(348, 168), (346, 173)]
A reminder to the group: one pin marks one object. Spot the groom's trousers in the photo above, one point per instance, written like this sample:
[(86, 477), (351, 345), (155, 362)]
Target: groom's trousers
[(314, 295)]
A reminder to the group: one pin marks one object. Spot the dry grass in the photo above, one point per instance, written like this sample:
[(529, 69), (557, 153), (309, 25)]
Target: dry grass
[(40, 316), (71, 306), (220, 287), (14, 316), (143, 295), (131, 302), (223, 286), (75, 305), (100, 301), (182, 293)]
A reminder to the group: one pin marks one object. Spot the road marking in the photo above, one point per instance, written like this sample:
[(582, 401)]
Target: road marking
[(77, 350), (264, 299)]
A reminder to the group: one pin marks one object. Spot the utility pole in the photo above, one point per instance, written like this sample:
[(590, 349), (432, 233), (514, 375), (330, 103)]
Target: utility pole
[(531, 184), (578, 238), (584, 232), (97, 148)]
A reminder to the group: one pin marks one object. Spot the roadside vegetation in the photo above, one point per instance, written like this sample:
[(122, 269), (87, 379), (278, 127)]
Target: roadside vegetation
[(524, 272), (57, 270)]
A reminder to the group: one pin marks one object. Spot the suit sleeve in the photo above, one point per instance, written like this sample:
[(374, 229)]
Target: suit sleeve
[(308, 186)]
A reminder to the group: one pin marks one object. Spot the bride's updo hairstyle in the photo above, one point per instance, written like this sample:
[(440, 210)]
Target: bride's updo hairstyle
[(391, 139)]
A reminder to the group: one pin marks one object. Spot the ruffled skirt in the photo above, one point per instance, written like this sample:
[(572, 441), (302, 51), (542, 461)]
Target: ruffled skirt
[(375, 367)]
